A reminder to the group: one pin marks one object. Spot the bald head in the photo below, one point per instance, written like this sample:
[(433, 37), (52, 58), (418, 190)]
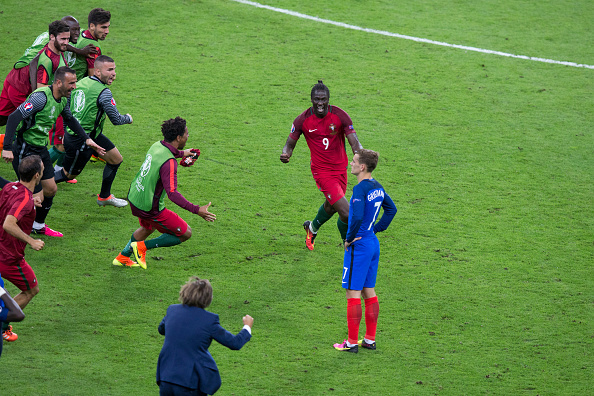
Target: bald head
[(74, 28)]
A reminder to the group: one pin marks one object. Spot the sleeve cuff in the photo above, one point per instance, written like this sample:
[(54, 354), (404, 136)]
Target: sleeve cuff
[(248, 328)]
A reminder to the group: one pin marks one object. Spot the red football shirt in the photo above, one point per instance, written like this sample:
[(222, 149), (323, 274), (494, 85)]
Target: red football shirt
[(325, 138), (43, 75), (91, 61), (15, 200)]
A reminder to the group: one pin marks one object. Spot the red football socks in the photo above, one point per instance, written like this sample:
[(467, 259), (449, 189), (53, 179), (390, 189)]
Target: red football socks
[(371, 314), (354, 314)]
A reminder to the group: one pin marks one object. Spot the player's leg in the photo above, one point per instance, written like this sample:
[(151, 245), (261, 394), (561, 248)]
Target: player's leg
[(76, 156), (49, 188), (370, 298), (355, 265), (174, 230), (22, 276), (341, 205), (113, 159), (325, 211)]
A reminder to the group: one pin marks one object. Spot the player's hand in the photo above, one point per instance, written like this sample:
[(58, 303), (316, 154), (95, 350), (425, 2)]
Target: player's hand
[(7, 156), (190, 156), (37, 244), (347, 244), (205, 214), (90, 51), (131, 120), (248, 320), (100, 150), (284, 157), (37, 201)]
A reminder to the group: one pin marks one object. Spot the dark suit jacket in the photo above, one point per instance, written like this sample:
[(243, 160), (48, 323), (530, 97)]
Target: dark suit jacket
[(184, 359)]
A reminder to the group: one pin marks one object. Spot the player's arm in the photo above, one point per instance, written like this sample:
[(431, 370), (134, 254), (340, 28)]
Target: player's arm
[(33, 72), (75, 126), (288, 150), (168, 174), (354, 142), (108, 104), (88, 51), (34, 103), (11, 226), (388, 216), (11, 311), (42, 77)]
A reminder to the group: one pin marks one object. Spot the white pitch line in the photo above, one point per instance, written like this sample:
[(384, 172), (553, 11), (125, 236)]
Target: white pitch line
[(417, 39)]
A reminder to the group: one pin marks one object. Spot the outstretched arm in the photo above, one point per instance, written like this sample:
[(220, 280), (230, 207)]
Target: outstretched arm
[(288, 150), (88, 52), (108, 104)]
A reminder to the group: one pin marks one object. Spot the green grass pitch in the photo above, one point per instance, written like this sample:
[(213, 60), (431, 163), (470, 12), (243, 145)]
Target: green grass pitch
[(485, 280)]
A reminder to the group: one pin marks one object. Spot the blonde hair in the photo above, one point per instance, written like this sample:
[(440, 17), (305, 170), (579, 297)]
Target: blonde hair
[(196, 292)]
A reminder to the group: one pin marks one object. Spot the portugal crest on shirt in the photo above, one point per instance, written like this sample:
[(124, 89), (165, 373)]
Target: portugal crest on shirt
[(333, 130)]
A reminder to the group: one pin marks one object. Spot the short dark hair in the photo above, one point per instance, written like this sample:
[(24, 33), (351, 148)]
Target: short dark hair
[(320, 87), (173, 128), (196, 293), (369, 158), (61, 73), (28, 167), (98, 16), (103, 59), (57, 27)]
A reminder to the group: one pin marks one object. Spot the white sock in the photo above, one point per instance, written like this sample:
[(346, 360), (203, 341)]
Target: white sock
[(350, 345), (311, 228), (368, 341), (38, 226), (57, 168)]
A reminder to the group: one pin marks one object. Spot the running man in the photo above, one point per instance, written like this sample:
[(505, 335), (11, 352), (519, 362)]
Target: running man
[(90, 103), (99, 22), (30, 122), (325, 128), (362, 250), (9, 312), (17, 213), (158, 174)]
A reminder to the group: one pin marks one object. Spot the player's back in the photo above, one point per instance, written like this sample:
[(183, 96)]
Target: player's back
[(372, 193)]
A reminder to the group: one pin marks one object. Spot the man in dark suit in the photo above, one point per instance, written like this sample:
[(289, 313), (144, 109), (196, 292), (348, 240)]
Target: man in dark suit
[(185, 365)]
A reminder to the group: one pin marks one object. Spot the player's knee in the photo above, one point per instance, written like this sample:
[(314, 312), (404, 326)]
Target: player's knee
[(186, 235), (50, 191), (32, 292)]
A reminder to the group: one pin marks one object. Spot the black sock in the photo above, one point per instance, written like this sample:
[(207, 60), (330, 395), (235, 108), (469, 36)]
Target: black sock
[(44, 210), (109, 174), (60, 176)]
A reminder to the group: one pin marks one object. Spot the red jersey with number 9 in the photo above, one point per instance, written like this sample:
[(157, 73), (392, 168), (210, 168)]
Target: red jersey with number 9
[(325, 138)]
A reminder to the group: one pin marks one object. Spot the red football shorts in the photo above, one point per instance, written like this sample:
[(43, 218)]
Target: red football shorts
[(10, 99), (56, 134), (166, 222), (19, 274), (333, 186)]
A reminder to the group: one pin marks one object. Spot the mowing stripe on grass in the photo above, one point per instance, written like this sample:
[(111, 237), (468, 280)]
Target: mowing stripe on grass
[(417, 39)]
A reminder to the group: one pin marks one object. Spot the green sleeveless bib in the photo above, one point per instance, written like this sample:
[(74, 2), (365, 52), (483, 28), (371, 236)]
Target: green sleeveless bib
[(142, 189)]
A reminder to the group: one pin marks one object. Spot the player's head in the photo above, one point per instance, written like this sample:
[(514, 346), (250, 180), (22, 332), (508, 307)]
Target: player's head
[(175, 131), (364, 161), (31, 168), (65, 81), (74, 28), (320, 97), (105, 69), (59, 34), (196, 293), (99, 21)]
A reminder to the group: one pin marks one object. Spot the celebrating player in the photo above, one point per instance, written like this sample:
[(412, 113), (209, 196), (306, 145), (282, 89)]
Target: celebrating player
[(362, 250), (90, 103), (325, 128), (17, 212), (17, 85), (99, 22), (158, 174), (33, 119)]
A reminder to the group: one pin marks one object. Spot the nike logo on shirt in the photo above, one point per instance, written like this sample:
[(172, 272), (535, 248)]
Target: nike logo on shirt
[(313, 130)]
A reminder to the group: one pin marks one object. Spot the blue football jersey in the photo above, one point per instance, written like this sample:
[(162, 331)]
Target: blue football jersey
[(368, 197)]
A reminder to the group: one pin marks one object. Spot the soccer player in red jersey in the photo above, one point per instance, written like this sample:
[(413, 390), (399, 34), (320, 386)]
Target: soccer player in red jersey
[(156, 178), (325, 128), (17, 85), (17, 213)]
